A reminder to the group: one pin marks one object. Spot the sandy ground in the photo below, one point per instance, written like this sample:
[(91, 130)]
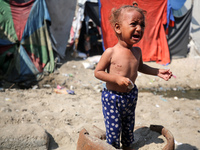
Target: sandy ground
[(64, 115)]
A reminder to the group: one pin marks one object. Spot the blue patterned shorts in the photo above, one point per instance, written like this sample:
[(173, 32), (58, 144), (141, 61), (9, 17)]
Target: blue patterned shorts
[(119, 116)]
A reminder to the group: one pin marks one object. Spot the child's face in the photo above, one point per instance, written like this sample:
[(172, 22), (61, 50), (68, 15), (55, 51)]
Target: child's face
[(131, 27), (87, 39)]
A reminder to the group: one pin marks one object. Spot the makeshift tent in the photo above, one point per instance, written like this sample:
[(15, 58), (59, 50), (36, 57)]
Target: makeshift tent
[(27, 40), (178, 36), (154, 44), (79, 17), (25, 45), (92, 12), (62, 14), (184, 37)]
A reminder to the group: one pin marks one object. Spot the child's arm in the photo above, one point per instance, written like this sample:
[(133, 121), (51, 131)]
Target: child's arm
[(165, 74)]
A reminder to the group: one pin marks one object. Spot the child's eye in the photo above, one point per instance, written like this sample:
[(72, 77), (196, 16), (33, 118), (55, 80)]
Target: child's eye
[(133, 24)]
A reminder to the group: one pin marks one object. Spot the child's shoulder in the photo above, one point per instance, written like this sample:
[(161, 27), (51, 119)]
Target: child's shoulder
[(109, 50)]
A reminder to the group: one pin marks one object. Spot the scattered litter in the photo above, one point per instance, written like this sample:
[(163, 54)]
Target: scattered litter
[(35, 87), (176, 97), (70, 75), (81, 55), (46, 85), (177, 143), (74, 66), (88, 65), (60, 91), (60, 87), (157, 105), (70, 92), (71, 87), (94, 59), (163, 99), (78, 54), (67, 75), (8, 99)]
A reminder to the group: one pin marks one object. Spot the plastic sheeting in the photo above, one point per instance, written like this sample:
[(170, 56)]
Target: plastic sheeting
[(178, 36), (25, 45), (62, 14)]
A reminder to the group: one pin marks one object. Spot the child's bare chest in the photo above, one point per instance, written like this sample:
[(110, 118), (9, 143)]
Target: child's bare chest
[(124, 64)]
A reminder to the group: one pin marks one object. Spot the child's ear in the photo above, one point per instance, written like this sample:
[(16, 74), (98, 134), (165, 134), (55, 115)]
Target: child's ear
[(117, 28)]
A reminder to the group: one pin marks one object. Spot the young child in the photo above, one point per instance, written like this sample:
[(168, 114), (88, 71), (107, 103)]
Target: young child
[(118, 67), (87, 45)]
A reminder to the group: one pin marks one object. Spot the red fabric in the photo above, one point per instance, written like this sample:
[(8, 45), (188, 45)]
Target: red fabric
[(20, 13), (36, 62), (154, 44)]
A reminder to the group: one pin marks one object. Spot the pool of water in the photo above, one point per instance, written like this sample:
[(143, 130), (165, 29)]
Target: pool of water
[(188, 94)]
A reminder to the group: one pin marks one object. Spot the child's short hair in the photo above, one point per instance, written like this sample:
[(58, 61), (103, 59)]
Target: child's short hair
[(115, 13)]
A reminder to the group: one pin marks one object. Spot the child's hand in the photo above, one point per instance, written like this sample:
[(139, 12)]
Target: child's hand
[(165, 74), (123, 81)]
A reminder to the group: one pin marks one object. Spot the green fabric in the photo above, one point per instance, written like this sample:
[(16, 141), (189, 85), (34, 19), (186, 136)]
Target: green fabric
[(39, 44), (7, 29)]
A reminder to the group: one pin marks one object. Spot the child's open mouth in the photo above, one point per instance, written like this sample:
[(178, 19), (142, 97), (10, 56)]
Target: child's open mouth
[(136, 37)]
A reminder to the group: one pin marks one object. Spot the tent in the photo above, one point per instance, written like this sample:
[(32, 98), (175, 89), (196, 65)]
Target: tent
[(62, 13), (184, 37), (25, 45), (91, 12), (26, 42), (178, 35)]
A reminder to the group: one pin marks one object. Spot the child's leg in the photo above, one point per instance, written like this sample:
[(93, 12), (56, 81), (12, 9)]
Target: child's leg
[(111, 119), (128, 120)]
